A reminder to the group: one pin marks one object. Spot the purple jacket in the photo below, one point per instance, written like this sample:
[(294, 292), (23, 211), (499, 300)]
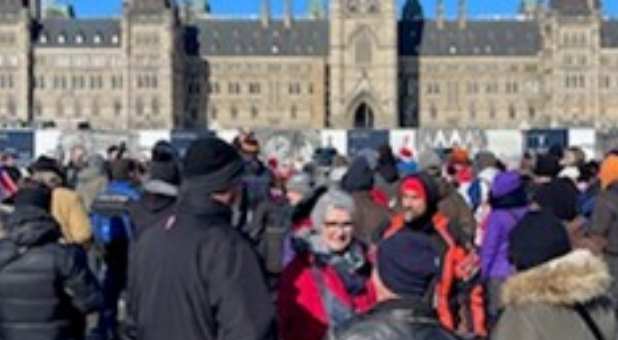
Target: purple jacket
[(494, 251), (509, 205)]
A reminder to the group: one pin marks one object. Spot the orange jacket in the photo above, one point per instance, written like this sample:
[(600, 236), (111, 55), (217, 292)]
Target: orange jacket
[(455, 255)]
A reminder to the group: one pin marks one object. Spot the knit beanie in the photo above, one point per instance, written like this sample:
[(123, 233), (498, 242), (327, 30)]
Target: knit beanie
[(48, 164), (429, 159), (608, 174), (538, 238), (38, 196), (212, 165), (460, 156), (506, 183), (408, 263)]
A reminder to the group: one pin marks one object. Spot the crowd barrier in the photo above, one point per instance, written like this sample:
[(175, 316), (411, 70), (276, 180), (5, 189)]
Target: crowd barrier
[(299, 145)]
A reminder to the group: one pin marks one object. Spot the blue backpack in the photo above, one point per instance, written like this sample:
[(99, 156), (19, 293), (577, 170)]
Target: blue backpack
[(110, 218)]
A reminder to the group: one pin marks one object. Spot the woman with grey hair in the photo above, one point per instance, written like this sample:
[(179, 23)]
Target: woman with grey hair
[(328, 281)]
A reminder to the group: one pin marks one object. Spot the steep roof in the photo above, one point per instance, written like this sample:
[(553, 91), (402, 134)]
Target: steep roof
[(573, 7), (609, 34), (11, 6), (220, 37), (478, 38), (79, 33)]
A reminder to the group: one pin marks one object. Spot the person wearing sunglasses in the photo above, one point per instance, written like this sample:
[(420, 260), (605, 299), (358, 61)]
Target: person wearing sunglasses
[(328, 282)]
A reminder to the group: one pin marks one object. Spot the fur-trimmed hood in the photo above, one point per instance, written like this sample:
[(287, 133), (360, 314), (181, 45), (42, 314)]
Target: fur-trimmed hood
[(576, 278)]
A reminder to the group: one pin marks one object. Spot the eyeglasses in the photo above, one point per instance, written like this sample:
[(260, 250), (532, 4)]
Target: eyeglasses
[(338, 225)]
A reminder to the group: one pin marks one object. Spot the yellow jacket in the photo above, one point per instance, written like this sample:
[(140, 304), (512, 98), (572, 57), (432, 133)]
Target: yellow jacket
[(69, 210)]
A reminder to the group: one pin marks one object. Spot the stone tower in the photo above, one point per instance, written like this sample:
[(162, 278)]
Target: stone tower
[(154, 69), (363, 64), (15, 47)]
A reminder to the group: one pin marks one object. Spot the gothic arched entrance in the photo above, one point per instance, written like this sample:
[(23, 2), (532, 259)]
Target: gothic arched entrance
[(363, 117)]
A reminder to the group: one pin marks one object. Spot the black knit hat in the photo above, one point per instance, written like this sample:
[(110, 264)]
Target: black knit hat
[(165, 164), (408, 263), (38, 196), (213, 163), (46, 164), (539, 237)]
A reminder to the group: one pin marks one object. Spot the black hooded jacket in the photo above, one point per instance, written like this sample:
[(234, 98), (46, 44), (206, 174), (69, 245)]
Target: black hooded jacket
[(197, 278), (394, 320), (45, 288)]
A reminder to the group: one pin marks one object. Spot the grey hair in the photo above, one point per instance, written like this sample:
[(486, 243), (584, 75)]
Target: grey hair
[(333, 199)]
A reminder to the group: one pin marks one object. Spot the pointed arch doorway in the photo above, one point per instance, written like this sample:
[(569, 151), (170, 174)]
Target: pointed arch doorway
[(364, 117)]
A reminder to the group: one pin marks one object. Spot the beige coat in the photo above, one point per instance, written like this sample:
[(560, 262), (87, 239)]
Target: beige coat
[(539, 302), (68, 209)]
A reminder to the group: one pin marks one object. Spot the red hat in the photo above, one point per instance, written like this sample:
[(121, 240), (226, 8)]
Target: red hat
[(414, 185), (406, 153)]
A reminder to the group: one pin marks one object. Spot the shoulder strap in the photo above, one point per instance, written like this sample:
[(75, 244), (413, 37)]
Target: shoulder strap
[(594, 328), (441, 224)]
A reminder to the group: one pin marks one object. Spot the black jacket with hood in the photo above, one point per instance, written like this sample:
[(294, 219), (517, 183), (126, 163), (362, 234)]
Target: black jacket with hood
[(404, 319), (197, 278), (45, 288)]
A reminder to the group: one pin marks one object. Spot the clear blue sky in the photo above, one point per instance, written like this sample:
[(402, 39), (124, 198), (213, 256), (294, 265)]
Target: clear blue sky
[(247, 7)]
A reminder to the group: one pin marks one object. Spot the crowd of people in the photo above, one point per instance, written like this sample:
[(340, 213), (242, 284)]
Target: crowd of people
[(220, 243)]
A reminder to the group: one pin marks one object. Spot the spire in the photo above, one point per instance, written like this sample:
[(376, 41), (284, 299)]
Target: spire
[(265, 13), (440, 14), (412, 10), (463, 14), (287, 13), (316, 9)]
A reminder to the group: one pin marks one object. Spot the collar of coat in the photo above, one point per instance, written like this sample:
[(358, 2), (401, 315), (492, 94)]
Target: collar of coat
[(576, 278)]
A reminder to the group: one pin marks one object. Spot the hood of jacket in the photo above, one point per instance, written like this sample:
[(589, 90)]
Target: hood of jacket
[(31, 226), (576, 278)]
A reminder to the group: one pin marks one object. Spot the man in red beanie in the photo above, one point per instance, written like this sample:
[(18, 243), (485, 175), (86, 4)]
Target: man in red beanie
[(419, 202)]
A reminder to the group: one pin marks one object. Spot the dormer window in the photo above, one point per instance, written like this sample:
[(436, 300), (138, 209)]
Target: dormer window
[(79, 39), (115, 39), (62, 38), (98, 38), (43, 38)]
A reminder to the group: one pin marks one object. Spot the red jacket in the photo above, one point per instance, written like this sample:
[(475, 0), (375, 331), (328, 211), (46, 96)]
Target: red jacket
[(300, 309)]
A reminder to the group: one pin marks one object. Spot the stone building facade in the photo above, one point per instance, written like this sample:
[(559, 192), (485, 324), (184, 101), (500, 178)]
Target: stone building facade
[(161, 66)]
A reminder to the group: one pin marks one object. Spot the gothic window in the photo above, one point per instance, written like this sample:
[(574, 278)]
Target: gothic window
[(234, 112), (156, 107), (234, 88), (512, 112), (11, 107), (139, 107), (294, 112), (295, 88), (363, 49), (472, 111), (117, 108), (38, 108), (254, 88), (531, 113), (254, 112), (213, 112)]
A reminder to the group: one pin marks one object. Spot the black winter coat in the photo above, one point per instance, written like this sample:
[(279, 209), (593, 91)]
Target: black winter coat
[(197, 279), (46, 288), (394, 320), (151, 210)]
